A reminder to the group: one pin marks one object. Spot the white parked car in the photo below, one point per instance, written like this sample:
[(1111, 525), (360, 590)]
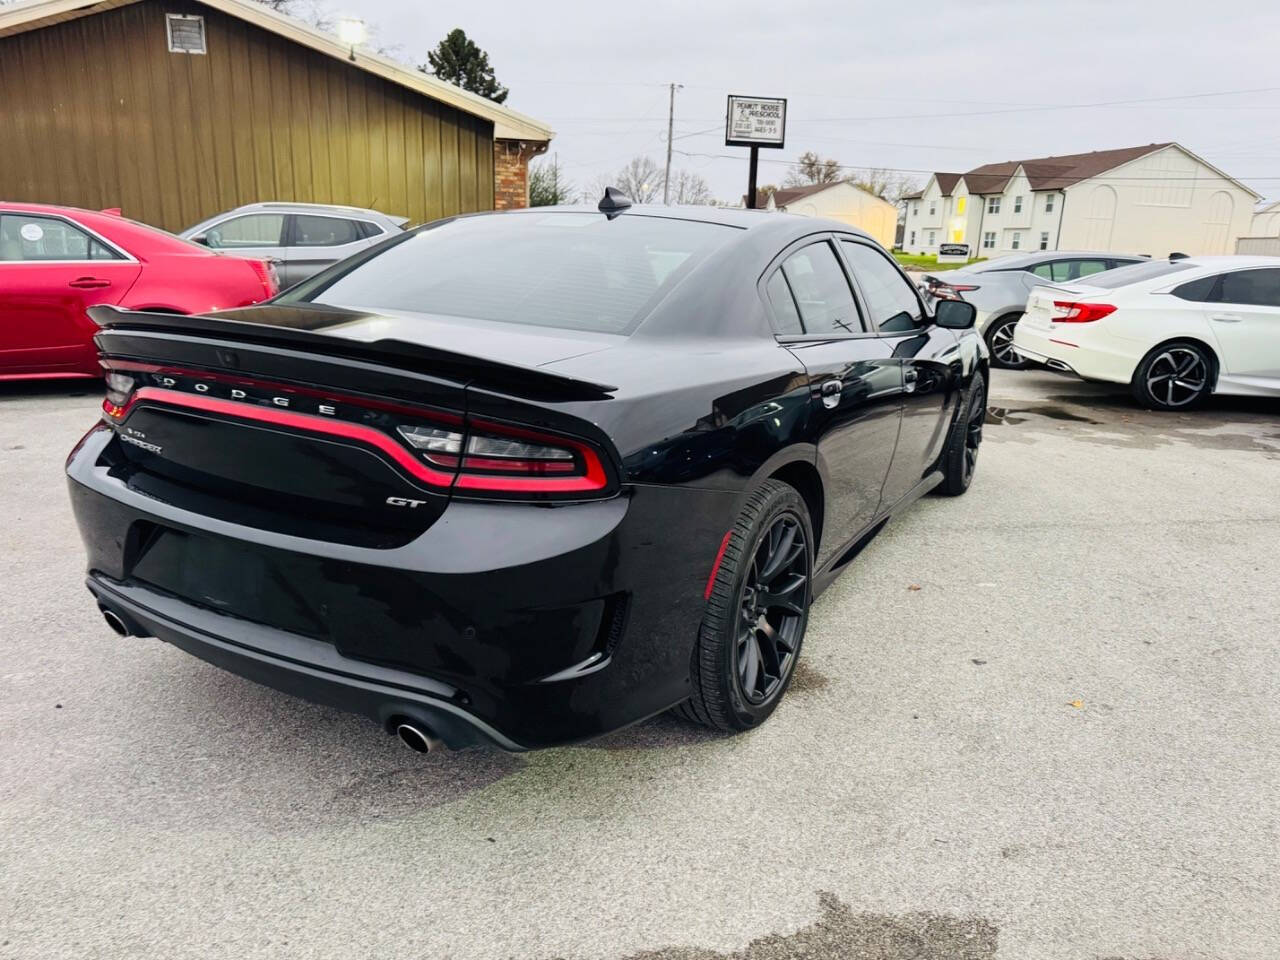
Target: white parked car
[(1174, 330)]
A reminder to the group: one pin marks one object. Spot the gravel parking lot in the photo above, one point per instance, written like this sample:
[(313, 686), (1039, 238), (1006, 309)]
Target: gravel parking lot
[(1039, 721)]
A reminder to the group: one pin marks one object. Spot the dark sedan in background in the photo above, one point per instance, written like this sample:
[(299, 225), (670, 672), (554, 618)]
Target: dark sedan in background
[(521, 479)]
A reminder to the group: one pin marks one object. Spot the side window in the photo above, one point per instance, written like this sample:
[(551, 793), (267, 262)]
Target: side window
[(892, 304), (1199, 291), (1259, 288), (1056, 270), (33, 238), (251, 230), (821, 290), (310, 231), (784, 305), (1085, 267), (367, 230)]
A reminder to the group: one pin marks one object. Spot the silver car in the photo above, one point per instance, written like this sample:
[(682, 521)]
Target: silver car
[(300, 238), (998, 289)]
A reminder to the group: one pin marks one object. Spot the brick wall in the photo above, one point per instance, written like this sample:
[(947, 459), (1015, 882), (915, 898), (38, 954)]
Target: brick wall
[(511, 172)]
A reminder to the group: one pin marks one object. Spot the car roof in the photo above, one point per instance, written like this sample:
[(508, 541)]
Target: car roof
[(754, 221), (138, 239), (1018, 260), (1229, 261), (298, 207)]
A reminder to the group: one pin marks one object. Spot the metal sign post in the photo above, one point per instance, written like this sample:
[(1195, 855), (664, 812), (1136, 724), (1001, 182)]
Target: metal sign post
[(755, 122)]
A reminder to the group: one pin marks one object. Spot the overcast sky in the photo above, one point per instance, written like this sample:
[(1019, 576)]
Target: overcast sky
[(874, 84)]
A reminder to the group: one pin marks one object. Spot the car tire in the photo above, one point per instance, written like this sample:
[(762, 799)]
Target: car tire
[(960, 458), (1177, 375), (740, 670), (999, 337)]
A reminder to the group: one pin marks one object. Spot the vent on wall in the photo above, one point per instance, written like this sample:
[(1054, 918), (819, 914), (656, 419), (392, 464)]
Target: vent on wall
[(186, 33)]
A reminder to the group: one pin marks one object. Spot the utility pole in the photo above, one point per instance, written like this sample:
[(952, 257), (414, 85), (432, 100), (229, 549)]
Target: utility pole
[(671, 116)]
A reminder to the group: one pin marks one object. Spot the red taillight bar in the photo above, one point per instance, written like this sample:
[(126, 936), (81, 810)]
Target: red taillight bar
[(1082, 312), (291, 418)]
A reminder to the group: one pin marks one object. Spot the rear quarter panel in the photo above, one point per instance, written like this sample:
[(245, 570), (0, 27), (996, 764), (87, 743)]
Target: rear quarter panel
[(194, 283)]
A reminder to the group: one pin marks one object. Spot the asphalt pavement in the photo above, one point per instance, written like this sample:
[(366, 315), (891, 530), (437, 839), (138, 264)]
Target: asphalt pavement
[(1037, 721)]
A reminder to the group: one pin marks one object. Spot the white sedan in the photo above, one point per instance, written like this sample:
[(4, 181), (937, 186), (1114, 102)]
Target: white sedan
[(1174, 330)]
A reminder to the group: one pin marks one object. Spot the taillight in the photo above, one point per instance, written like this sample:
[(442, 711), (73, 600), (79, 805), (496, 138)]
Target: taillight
[(1069, 311), (120, 387), (497, 458), (265, 271), (948, 291)]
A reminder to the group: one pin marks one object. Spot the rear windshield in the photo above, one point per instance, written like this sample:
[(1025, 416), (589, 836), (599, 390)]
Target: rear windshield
[(1136, 273), (574, 270)]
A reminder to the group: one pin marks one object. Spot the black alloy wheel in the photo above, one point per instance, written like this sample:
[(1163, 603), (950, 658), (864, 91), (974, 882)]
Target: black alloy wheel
[(756, 614), (960, 459), (1000, 342), (772, 609), (1174, 376)]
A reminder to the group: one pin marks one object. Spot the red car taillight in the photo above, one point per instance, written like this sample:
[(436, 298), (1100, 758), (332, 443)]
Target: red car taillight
[(479, 457), (265, 271), (942, 290), (498, 458), (1070, 311)]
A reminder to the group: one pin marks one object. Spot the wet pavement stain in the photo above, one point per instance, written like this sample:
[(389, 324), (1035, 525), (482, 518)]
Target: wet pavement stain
[(807, 679), (1020, 414), (1119, 423), (841, 934)]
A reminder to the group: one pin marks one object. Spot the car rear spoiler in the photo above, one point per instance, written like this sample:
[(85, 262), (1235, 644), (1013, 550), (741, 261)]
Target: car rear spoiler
[(528, 382)]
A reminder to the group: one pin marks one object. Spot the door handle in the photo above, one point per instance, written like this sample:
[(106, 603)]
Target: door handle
[(909, 378), (830, 391), (88, 283), (1226, 317)]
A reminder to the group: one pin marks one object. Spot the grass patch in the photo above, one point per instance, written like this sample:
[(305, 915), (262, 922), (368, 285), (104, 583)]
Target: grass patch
[(916, 261)]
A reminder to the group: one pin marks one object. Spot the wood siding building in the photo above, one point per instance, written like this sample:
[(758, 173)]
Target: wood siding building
[(100, 111)]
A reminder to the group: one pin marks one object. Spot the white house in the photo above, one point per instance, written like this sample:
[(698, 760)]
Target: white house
[(1266, 220), (1154, 199), (838, 201)]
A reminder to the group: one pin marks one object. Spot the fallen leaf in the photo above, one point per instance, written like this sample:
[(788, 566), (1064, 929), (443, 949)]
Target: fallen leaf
[(1078, 704), (978, 663), (914, 586)]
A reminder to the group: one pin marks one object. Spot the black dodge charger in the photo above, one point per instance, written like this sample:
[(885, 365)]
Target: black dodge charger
[(524, 478)]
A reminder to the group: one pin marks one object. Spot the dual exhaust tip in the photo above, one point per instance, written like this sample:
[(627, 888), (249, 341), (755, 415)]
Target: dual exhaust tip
[(416, 738)]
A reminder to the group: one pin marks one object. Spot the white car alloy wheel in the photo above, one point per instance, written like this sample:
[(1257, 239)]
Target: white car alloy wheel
[(1000, 341), (1173, 377)]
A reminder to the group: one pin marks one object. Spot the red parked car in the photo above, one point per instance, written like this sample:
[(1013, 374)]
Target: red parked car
[(55, 262)]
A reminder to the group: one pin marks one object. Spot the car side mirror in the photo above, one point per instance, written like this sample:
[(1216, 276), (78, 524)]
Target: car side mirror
[(954, 314)]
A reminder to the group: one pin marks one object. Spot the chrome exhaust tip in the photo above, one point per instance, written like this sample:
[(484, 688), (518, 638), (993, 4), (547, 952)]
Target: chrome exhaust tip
[(418, 739), (115, 622)]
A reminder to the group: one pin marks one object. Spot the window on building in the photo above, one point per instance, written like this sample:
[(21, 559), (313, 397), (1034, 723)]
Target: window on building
[(915, 209), (960, 204), (913, 238), (25, 237), (993, 204), (891, 303), (989, 240), (933, 207), (1017, 204), (1048, 203), (821, 291), (1044, 240), (931, 236), (1016, 243)]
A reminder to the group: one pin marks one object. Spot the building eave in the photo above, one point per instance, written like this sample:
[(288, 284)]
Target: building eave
[(508, 124)]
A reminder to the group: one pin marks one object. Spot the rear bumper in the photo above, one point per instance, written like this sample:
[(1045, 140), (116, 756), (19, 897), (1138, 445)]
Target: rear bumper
[(510, 624), (1073, 348)]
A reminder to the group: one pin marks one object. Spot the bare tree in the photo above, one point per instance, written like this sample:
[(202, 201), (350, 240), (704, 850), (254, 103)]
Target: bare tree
[(810, 169), (884, 183), (689, 188), (641, 180)]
